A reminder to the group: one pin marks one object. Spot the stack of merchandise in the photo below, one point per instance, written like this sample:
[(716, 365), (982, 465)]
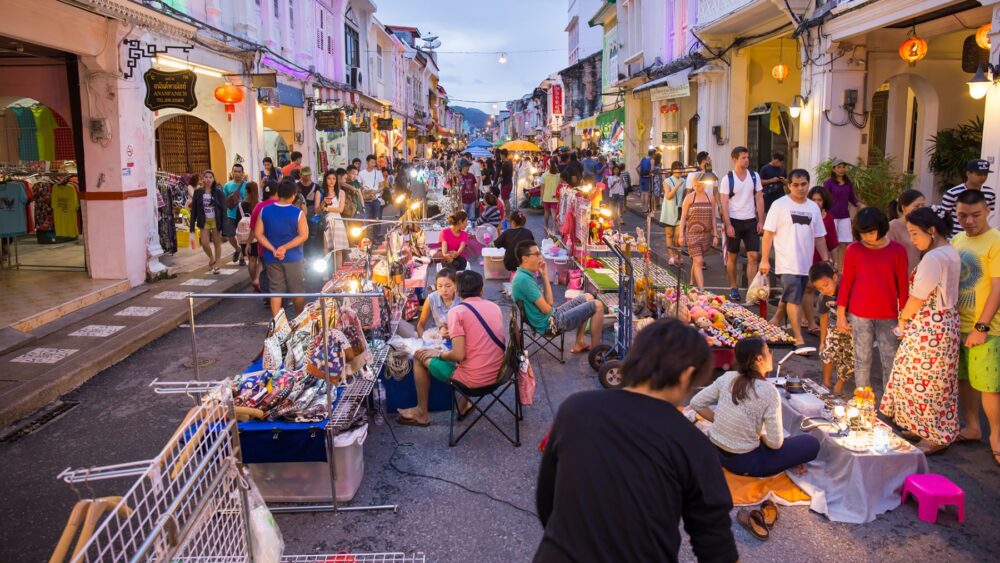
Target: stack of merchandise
[(721, 321)]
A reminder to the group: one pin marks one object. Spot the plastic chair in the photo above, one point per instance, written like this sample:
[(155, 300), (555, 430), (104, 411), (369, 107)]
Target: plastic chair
[(933, 492), (547, 341)]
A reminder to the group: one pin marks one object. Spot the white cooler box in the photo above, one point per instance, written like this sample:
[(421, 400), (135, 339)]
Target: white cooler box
[(493, 268), (556, 264), (310, 481)]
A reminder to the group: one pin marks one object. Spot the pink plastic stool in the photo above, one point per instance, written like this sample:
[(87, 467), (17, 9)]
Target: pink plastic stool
[(933, 492)]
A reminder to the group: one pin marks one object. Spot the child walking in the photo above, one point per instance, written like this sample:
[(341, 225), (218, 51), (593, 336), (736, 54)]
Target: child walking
[(836, 349)]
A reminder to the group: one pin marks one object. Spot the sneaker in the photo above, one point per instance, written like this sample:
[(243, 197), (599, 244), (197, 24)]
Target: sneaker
[(243, 261), (734, 294), (236, 256)]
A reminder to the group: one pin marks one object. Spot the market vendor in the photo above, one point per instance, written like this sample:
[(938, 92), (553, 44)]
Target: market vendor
[(476, 327), (434, 313), (746, 423), (454, 241), (537, 301)]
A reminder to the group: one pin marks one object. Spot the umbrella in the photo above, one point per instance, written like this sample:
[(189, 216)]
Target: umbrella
[(521, 146)]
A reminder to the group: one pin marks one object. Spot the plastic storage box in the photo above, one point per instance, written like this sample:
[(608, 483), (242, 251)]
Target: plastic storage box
[(493, 267), (309, 481)]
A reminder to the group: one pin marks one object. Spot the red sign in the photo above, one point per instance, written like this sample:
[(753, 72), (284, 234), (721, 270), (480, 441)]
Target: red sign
[(557, 100)]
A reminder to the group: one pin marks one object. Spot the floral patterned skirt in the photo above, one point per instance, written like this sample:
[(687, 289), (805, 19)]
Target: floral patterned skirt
[(922, 394)]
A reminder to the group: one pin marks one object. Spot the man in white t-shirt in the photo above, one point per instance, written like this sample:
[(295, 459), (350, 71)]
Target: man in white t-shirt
[(475, 168), (794, 226), (372, 184), (742, 208)]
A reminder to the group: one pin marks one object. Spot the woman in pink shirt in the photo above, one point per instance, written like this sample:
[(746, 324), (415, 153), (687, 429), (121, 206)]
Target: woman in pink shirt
[(268, 197), (454, 240)]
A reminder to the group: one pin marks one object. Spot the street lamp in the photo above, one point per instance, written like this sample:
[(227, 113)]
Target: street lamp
[(795, 109), (980, 84)]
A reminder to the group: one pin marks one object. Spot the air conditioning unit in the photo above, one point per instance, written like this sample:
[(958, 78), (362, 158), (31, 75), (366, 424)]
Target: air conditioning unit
[(354, 78)]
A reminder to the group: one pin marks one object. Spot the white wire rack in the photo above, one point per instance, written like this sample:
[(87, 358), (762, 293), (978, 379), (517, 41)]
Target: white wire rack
[(356, 558)]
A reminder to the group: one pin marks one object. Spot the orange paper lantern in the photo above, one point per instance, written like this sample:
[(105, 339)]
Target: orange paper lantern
[(780, 72), (912, 50), (229, 95), (983, 36)]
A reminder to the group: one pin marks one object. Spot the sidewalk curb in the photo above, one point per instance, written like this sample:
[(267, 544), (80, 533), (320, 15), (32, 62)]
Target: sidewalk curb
[(64, 377)]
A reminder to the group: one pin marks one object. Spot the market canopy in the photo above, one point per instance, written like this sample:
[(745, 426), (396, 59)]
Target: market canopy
[(521, 146), (478, 152), (480, 142)]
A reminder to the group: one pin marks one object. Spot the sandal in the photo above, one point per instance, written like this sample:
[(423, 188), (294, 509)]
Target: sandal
[(753, 521), (465, 413), (406, 421), (769, 511), (932, 449), (960, 439)]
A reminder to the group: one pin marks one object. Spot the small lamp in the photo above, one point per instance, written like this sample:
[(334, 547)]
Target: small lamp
[(795, 109), (980, 84)]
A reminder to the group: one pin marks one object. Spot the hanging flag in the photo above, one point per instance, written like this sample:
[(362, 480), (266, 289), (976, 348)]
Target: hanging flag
[(775, 125)]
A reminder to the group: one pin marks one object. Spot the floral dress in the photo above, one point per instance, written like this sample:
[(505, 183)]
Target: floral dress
[(922, 393)]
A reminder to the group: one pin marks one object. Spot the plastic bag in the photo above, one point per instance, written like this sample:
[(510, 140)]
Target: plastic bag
[(760, 289), (266, 541)]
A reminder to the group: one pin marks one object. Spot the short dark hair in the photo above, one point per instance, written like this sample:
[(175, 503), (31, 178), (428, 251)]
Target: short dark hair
[(926, 217), (490, 199), (972, 197), (778, 155), (523, 249), (736, 152), (352, 167), (823, 193), (871, 219), (470, 284), (356, 159), (799, 173), (268, 159), (676, 165), (820, 270), (680, 346), (369, 157), (701, 157), (296, 155), (287, 189), (237, 165), (270, 189)]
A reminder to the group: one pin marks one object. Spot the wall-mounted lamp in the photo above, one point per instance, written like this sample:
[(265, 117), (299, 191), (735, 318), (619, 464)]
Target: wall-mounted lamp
[(717, 133), (980, 83), (798, 102)]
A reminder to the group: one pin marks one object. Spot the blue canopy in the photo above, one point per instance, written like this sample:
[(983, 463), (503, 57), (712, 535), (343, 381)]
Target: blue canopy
[(480, 142), (478, 152)]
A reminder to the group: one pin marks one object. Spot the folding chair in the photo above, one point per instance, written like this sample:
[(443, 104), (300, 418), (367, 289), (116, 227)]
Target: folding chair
[(545, 341), (493, 393)]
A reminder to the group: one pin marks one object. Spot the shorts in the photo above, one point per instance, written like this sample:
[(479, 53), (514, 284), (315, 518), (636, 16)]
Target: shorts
[(573, 313), (254, 250), (551, 205), (229, 227), (286, 277), (644, 184), (746, 232), (980, 366), (793, 287), (844, 234), (210, 224), (838, 351), (441, 370)]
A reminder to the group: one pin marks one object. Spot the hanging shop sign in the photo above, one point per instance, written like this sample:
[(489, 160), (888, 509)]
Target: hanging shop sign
[(170, 89), (362, 126), (557, 100), (670, 137), (681, 90), (329, 120), (384, 124)]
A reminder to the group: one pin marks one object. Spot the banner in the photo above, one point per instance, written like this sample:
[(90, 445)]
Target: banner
[(557, 99)]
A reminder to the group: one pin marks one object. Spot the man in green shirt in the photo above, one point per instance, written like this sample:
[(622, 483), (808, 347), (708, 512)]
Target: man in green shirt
[(537, 301)]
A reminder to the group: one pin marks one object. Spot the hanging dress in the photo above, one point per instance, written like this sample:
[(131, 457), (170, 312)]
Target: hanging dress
[(922, 393)]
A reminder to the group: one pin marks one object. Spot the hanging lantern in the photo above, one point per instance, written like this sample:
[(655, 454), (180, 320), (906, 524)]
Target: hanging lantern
[(983, 36), (229, 95), (913, 49), (780, 72)]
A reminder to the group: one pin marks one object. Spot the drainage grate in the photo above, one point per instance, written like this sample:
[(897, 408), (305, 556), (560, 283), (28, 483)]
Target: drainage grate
[(36, 421), (202, 362)]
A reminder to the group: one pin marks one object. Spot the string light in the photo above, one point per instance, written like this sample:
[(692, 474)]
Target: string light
[(503, 58)]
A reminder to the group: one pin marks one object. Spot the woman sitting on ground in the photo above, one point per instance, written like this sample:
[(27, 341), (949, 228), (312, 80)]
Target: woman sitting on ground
[(434, 313), (746, 424)]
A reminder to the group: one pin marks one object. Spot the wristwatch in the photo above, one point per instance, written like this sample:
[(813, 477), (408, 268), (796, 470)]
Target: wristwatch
[(981, 327)]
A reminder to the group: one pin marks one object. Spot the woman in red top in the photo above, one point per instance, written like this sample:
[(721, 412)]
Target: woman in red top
[(873, 290), (454, 240)]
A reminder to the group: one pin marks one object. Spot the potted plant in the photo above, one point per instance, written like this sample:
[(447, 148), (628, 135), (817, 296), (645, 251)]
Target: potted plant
[(952, 148)]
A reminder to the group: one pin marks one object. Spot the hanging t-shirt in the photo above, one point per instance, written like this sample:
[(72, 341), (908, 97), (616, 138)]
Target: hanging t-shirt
[(12, 203), (8, 136), (65, 203), (27, 145), (42, 196), (63, 136), (45, 126)]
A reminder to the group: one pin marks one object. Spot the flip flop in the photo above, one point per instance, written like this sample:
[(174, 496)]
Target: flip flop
[(769, 511), (960, 439), (586, 348), (405, 421), (753, 522), (465, 413)]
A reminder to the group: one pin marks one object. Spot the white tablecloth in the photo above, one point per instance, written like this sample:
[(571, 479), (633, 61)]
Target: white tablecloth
[(849, 486)]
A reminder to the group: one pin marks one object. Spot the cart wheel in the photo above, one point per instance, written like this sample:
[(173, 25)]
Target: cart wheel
[(600, 354), (610, 374)]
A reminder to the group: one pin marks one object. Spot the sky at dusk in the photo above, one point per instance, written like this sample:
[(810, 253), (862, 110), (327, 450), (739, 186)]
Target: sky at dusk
[(486, 25)]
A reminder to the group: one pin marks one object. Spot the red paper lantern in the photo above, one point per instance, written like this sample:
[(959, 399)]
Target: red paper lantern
[(913, 49), (983, 36), (229, 95), (780, 72)]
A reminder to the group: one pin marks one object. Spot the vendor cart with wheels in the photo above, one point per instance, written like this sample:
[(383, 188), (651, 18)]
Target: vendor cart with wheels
[(607, 359)]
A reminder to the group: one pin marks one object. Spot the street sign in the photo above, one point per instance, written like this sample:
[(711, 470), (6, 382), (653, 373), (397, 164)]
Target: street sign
[(170, 89), (329, 120), (384, 124), (670, 137), (682, 90)]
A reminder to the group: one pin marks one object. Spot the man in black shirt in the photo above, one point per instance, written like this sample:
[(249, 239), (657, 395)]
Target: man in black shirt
[(622, 468), (772, 177), (506, 174)]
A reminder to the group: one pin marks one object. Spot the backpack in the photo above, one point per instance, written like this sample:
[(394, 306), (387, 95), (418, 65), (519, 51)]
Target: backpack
[(753, 180), (243, 227), (350, 202)]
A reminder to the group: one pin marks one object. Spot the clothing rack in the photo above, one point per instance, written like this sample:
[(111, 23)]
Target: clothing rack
[(20, 173)]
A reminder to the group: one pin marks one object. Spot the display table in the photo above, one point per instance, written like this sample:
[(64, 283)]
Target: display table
[(850, 486)]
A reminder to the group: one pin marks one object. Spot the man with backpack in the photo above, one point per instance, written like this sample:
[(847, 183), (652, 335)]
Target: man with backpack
[(235, 191), (743, 214)]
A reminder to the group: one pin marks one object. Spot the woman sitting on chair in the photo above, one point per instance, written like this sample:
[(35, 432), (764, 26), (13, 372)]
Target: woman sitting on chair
[(746, 424)]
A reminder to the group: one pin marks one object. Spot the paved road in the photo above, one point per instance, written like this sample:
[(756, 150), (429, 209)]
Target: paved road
[(474, 502)]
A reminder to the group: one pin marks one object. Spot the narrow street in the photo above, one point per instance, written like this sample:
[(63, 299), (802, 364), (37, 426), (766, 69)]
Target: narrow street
[(474, 502)]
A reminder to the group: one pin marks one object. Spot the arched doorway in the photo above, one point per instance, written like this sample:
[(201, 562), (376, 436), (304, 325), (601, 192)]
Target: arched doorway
[(185, 143), (768, 131), (276, 147), (904, 117)]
